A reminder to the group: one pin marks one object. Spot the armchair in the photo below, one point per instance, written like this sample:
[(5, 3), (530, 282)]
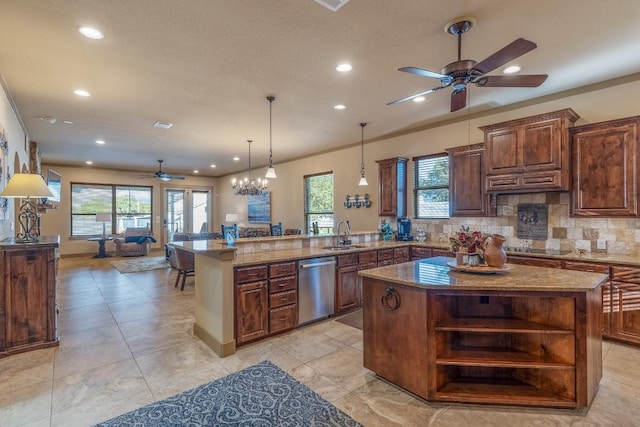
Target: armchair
[(136, 241)]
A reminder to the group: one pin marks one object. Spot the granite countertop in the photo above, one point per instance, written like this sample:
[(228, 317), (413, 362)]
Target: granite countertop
[(433, 273), (43, 241)]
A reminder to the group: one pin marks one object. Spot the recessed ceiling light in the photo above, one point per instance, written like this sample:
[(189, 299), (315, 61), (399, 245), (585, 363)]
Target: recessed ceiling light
[(91, 33), (89, 162), (512, 69), (213, 166), (343, 68), (81, 92), (162, 125), (100, 142), (236, 158), (419, 99), (339, 107), (196, 171), (67, 122)]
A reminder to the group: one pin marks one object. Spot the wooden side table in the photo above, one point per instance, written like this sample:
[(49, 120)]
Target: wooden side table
[(102, 252)]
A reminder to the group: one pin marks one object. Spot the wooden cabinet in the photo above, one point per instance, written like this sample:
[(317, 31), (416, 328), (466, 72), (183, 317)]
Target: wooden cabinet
[(392, 187), (523, 348), (605, 168), (385, 257), (251, 303), (347, 283), (418, 252), (467, 195), (529, 154), (400, 353), (625, 302), (27, 298), (400, 255), (283, 297)]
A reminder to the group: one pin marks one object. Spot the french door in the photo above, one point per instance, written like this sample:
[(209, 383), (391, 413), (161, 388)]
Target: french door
[(186, 211)]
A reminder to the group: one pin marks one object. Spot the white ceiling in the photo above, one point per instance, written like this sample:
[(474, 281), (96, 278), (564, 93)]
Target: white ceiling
[(207, 66)]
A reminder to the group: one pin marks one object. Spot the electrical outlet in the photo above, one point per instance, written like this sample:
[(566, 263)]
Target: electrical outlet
[(601, 244)]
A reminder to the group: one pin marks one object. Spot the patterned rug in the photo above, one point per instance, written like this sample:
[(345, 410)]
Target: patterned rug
[(134, 265), (260, 395)]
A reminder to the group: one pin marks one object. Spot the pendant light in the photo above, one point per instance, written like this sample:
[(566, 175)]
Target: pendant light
[(363, 179), (249, 187), (271, 172)]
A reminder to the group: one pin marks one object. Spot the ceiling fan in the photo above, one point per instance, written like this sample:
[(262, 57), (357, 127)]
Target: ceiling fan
[(163, 176), (462, 72)]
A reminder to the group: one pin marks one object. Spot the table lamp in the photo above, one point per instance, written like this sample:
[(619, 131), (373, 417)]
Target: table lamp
[(232, 218), (103, 218), (25, 186)]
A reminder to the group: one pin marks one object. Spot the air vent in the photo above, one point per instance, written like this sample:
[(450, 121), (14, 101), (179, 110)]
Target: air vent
[(333, 5), (163, 125)]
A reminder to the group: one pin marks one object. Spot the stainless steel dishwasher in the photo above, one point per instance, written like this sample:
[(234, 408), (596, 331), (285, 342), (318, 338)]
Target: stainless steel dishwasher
[(316, 288)]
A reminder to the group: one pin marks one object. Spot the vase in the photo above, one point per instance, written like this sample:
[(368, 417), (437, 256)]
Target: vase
[(494, 253), (474, 260)]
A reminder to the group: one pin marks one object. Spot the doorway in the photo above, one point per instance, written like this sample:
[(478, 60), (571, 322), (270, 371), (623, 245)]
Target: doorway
[(186, 211)]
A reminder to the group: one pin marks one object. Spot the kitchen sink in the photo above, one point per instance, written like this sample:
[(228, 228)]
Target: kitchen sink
[(342, 247)]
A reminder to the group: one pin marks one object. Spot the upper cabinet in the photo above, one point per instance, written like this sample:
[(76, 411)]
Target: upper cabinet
[(605, 168), (392, 181), (466, 182), (530, 154)]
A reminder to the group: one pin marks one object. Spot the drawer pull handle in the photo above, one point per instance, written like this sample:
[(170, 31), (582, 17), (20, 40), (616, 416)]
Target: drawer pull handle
[(282, 319), (391, 299), (284, 299)]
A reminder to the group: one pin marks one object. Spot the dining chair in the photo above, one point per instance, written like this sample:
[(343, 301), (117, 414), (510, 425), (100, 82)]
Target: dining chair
[(276, 229), (233, 229)]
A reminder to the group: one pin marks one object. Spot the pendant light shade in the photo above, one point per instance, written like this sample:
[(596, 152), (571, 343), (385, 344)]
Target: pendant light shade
[(271, 172), (363, 179)]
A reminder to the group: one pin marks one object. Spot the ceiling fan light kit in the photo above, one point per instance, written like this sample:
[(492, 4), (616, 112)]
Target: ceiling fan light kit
[(463, 72)]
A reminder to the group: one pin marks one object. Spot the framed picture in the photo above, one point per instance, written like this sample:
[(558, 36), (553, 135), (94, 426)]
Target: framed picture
[(4, 176), (259, 208)]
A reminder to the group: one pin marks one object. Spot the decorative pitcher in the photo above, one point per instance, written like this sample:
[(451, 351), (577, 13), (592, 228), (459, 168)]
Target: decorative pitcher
[(494, 254)]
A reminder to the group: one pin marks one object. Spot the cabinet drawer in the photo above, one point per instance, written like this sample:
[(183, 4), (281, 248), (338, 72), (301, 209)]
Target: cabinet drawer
[(346, 260), (282, 269), (282, 284), (250, 274), (441, 252), (368, 257), (283, 298), (586, 266), (420, 253), (385, 254), (401, 253), (283, 318), (534, 261), (384, 262)]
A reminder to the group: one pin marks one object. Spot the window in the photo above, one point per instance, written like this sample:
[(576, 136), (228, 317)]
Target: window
[(318, 202), (129, 206), (431, 186)]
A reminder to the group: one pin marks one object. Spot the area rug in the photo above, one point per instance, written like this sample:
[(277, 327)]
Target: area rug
[(352, 319), (260, 395), (135, 265)]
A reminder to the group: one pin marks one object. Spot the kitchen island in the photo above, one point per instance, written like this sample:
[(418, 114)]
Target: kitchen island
[(527, 336)]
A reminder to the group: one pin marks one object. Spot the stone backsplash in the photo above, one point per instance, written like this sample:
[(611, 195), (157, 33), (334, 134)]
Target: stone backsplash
[(604, 235)]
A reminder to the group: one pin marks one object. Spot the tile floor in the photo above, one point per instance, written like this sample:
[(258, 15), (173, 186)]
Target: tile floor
[(126, 340)]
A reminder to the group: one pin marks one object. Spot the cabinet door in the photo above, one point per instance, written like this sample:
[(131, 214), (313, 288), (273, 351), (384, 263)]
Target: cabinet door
[(625, 296), (502, 151), (392, 187), (466, 182), (399, 354), (420, 253), (540, 146), (347, 289), (605, 169), (251, 311), (29, 298)]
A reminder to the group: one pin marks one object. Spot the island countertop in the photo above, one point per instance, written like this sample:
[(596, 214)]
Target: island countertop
[(433, 273)]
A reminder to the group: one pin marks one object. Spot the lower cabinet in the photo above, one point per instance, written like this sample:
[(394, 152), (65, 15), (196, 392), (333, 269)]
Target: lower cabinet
[(251, 311), (27, 299), (625, 304), (418, 252)]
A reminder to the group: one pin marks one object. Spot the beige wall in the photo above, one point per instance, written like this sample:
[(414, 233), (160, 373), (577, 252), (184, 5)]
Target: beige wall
[(598, 104)]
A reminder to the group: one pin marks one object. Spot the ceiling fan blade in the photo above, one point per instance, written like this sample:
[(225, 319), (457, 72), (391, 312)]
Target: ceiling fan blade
[(458, 99), (421, 72), (174, 177), (415, 95), (511, 51), (531, 80)]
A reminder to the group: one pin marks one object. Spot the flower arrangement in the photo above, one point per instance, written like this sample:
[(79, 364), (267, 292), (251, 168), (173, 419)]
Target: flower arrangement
[(472, 242)]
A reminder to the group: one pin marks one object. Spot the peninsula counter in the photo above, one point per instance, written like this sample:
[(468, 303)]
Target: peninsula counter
[(530, 336)]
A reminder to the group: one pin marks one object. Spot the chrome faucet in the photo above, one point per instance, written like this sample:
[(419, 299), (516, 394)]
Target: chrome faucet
[(347, 231)]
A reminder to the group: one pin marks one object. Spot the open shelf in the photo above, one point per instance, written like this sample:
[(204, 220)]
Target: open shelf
[(497, 325), (498, 357)]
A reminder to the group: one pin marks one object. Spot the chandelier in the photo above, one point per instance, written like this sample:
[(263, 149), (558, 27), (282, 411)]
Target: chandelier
[(247, 186)]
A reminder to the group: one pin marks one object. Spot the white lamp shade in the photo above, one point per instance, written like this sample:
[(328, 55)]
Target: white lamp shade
[(232, 217), (271, 173), (103, 217), (363, 181), (26, 185)]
